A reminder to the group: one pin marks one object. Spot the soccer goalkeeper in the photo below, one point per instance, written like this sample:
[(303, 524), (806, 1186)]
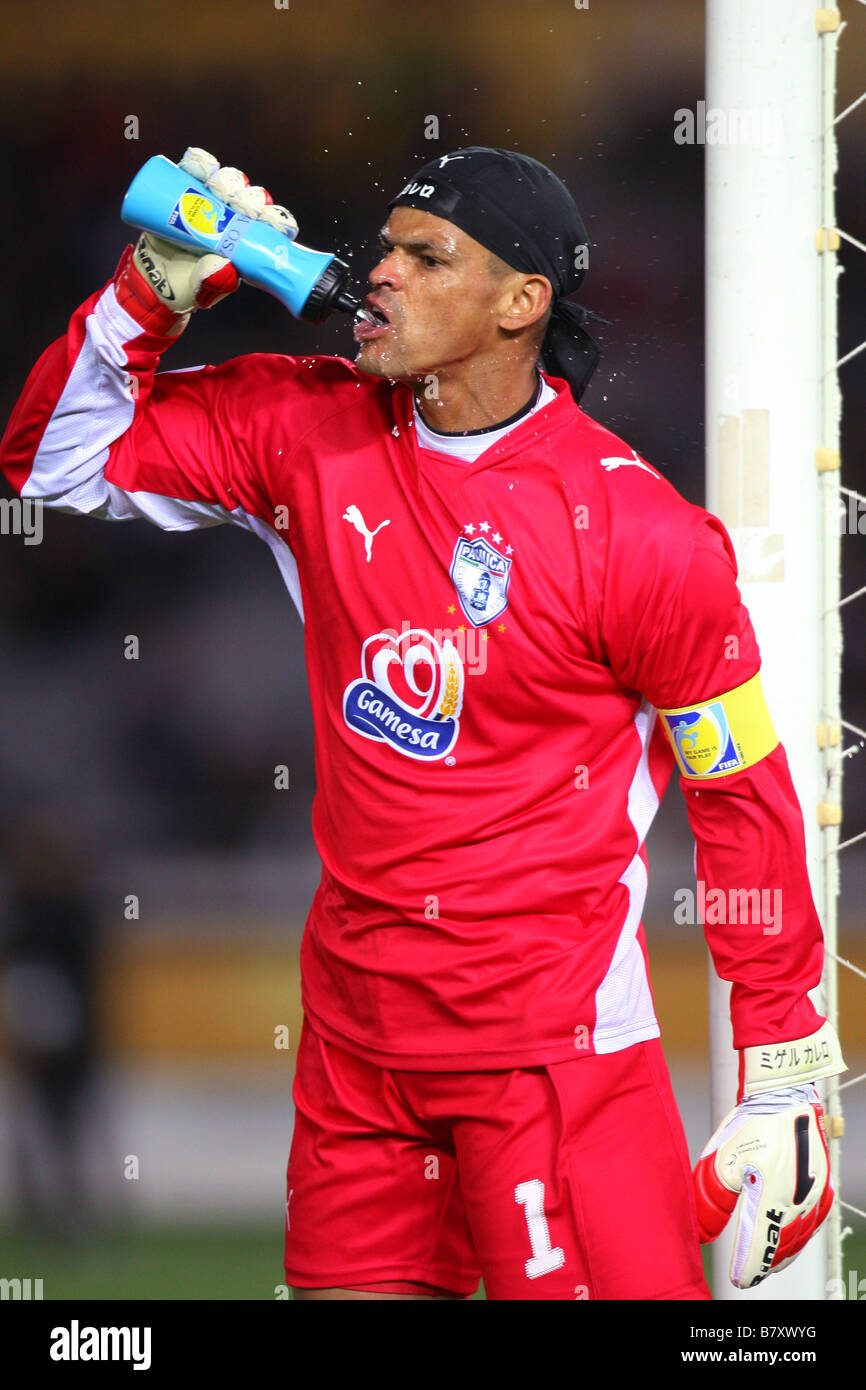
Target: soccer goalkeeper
[(515, 629)]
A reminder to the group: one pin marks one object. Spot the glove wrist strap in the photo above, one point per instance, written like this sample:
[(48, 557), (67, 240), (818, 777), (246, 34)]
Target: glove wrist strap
[(775, 1065), (142, 303)]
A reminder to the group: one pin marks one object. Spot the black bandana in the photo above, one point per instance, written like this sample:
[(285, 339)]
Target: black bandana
[(518, 209)]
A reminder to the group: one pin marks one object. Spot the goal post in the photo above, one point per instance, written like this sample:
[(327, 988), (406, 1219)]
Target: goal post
[(772, 450)]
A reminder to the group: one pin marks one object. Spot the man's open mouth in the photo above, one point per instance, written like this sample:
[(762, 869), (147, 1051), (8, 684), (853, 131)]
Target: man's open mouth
[(377, 312), (372, 323)]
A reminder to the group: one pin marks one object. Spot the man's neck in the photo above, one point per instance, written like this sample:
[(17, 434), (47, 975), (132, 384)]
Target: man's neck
[(461, 407)]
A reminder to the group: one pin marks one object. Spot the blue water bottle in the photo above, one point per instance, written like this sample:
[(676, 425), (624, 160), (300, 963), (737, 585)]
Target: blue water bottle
[(166, 201)]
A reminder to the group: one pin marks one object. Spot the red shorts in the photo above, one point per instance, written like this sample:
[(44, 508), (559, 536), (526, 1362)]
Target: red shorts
[(566, 1181)]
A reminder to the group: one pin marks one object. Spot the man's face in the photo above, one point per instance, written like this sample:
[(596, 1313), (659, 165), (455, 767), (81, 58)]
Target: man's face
[(442, 301)]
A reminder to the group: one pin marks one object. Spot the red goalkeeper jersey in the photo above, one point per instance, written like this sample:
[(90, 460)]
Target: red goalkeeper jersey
[(487, 647)]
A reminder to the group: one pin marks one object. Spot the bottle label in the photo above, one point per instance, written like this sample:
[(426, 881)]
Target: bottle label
[(202, 217)]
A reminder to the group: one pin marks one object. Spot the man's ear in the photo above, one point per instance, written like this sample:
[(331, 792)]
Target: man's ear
[(526, 301)]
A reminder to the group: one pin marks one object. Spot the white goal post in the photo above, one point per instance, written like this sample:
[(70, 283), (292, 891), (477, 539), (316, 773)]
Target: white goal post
[(772, 426)]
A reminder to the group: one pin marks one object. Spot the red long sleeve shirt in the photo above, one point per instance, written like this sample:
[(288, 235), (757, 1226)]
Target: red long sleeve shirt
[(487, 645)]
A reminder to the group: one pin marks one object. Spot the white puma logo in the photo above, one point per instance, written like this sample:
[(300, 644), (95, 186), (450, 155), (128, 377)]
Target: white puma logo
[(446, 157), (353, 515), (634, 462)]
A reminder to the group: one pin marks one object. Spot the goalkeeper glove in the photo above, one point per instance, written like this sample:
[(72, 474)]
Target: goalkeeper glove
[(769, 1154), (161, 284)]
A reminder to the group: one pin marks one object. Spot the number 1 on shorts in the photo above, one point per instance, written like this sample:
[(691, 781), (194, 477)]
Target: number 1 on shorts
[(545, 1258)]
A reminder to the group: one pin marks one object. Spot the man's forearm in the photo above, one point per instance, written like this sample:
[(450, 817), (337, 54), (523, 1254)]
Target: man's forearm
[(760, 923)]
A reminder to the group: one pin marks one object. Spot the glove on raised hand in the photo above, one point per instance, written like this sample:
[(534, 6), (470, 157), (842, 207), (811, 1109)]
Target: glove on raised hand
[(161, 284)]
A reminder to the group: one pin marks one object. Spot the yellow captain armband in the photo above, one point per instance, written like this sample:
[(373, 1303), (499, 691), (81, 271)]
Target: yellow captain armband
[(721, 736)]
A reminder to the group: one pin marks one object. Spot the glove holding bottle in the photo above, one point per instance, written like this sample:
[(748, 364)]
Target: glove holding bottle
[(221, 229)]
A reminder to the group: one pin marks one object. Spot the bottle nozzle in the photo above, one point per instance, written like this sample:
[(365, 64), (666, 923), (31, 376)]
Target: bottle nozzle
[(347, 302), (329, 293)]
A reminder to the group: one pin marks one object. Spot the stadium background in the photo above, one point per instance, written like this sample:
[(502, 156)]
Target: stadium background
[(155, 777)]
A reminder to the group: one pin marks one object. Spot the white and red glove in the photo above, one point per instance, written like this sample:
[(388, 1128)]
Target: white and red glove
[(161, 284), (769, 1158)]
